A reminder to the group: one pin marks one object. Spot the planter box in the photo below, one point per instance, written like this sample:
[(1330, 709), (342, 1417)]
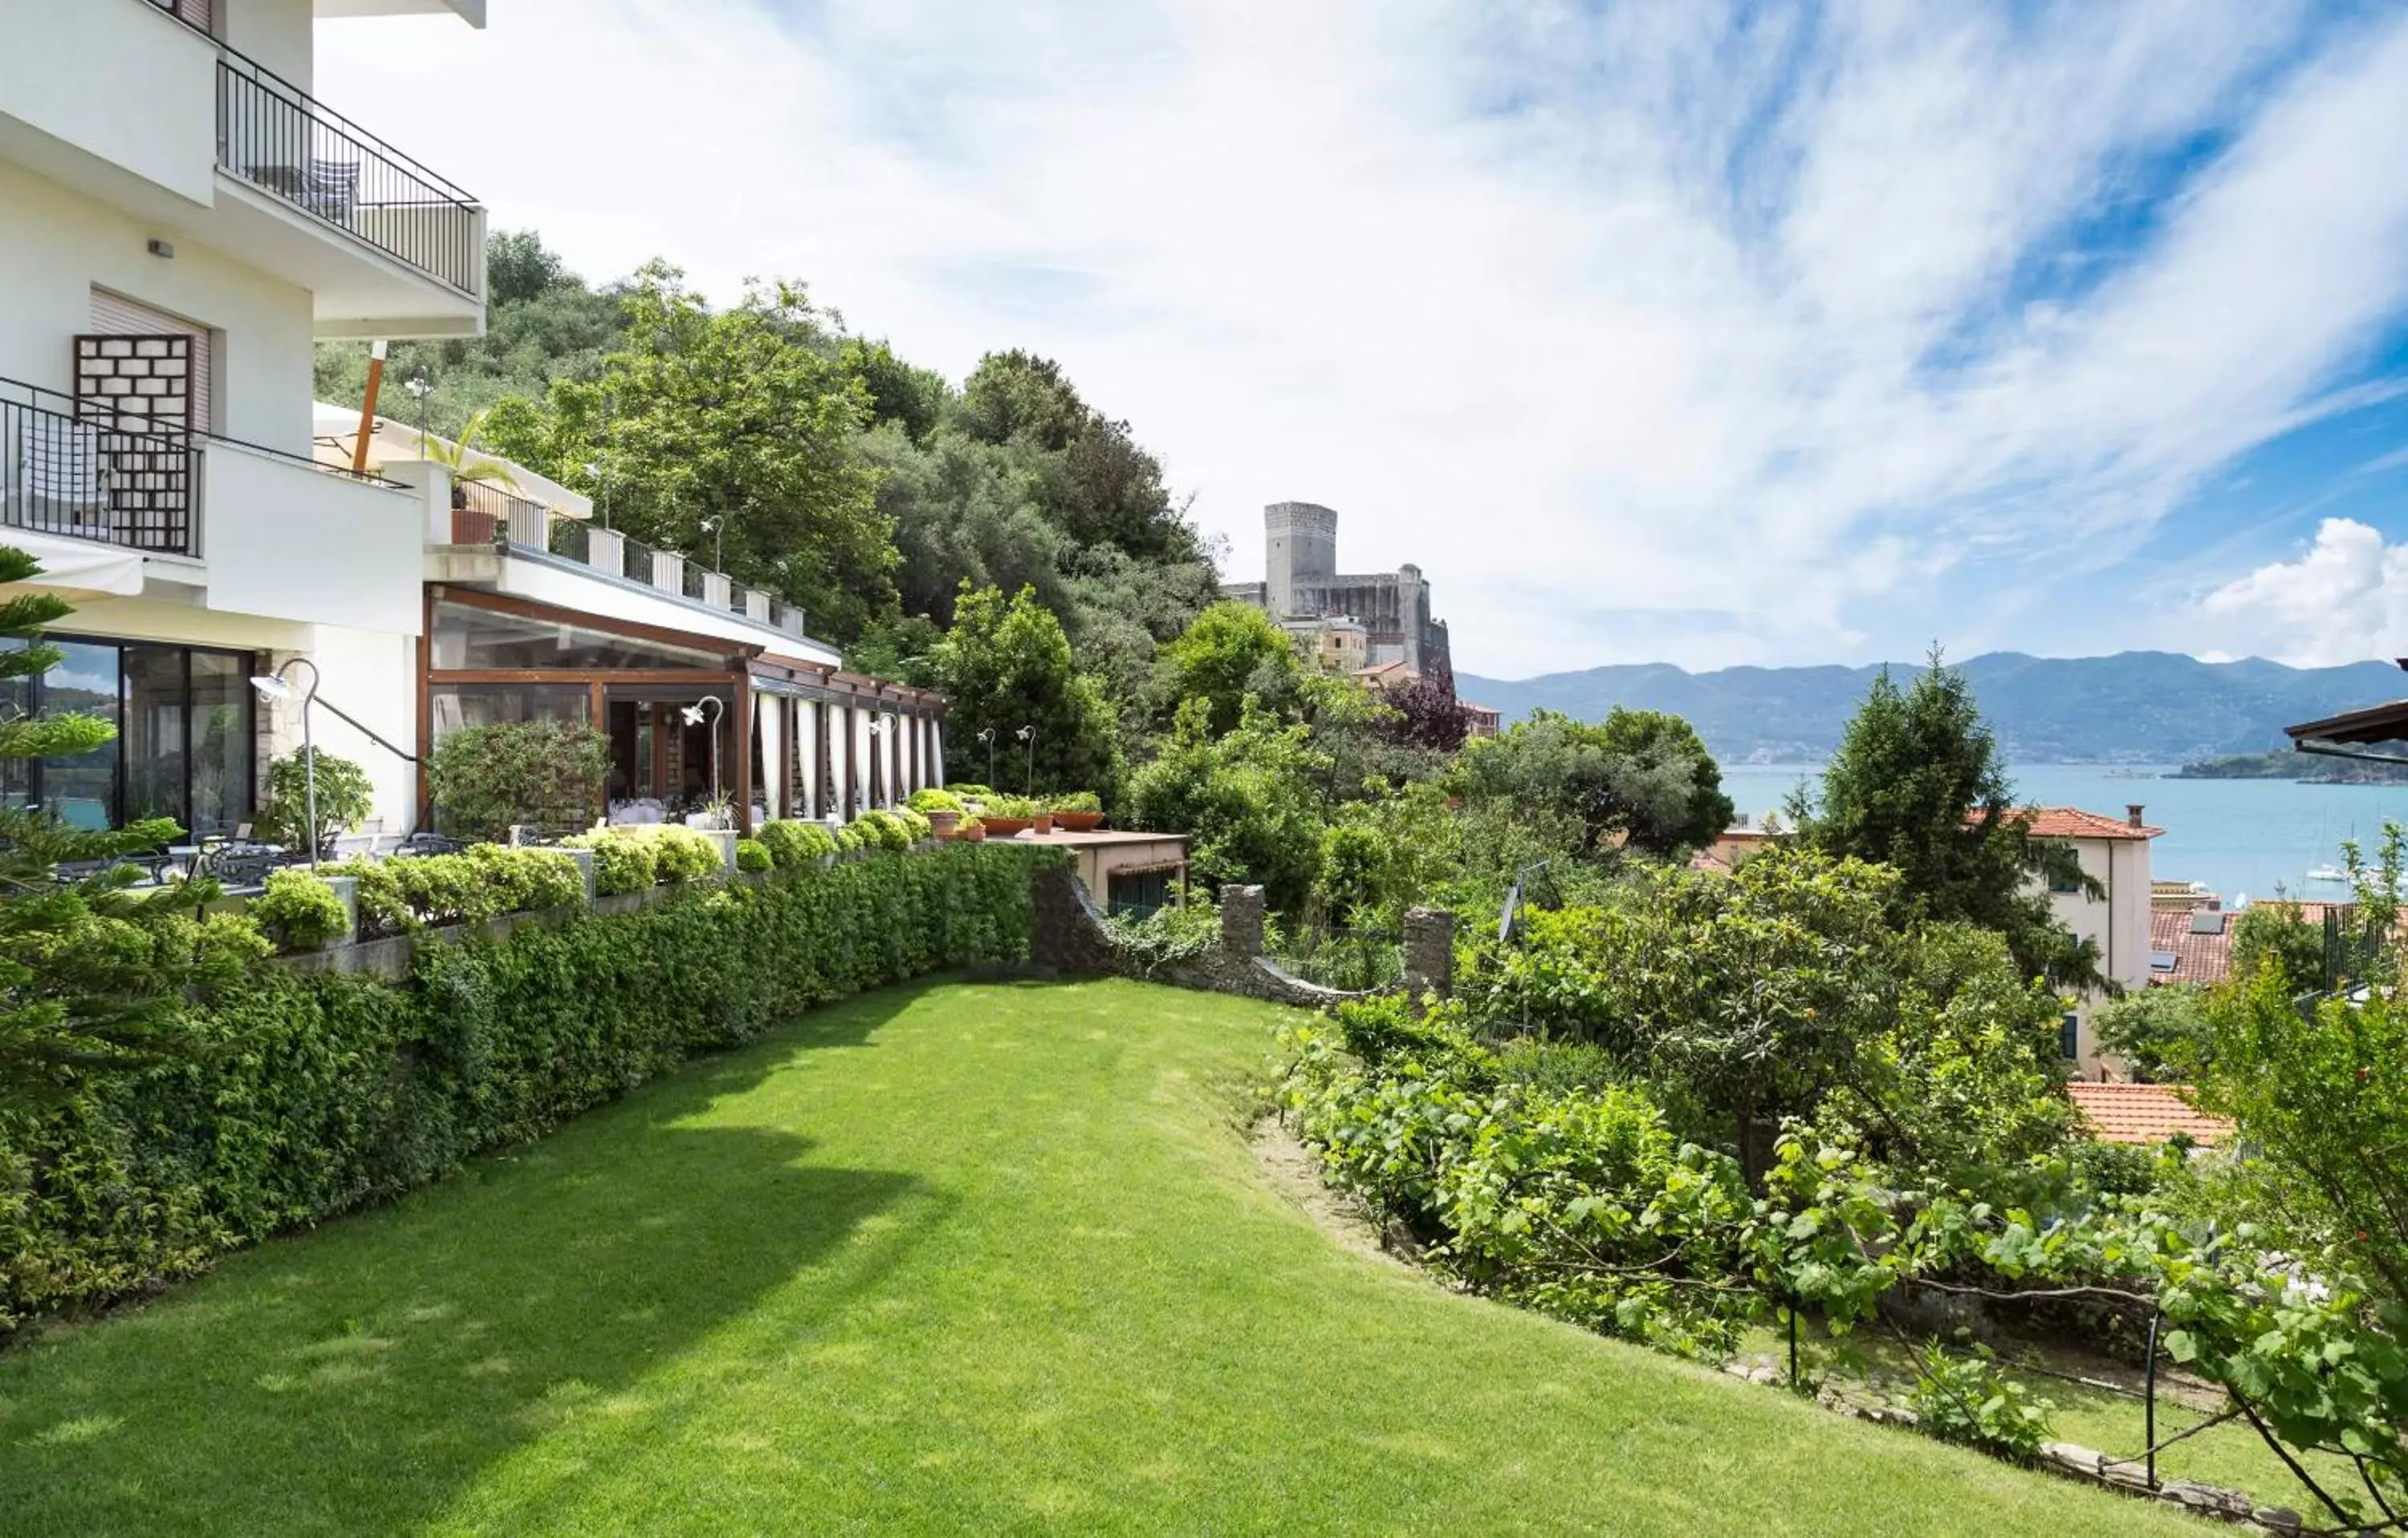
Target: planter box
[(1006, 828), (1078, 822)]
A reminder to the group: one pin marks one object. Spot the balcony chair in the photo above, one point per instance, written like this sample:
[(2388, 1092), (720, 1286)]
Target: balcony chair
[(61, 479)]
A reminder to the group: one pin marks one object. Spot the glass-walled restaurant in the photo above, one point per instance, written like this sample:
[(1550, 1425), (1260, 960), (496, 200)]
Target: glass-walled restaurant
[(691, 719), (185, 746)]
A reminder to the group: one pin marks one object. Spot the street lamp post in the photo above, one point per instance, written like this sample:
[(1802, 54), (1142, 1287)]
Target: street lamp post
[(986, 735), (694, 717), (420, 387), (1028, 784), (276, 686)]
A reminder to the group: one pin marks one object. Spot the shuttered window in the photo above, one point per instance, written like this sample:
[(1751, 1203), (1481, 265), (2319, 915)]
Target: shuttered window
[(115, 315)]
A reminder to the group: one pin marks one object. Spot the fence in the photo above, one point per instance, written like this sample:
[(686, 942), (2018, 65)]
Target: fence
[(75, 467), (279, 138), (1355, 960)]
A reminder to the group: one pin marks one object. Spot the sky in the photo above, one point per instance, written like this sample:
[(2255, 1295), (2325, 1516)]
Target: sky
[(1651, 332)]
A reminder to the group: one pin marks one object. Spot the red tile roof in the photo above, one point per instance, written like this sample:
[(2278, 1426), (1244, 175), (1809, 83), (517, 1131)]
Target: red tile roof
[(2144, 1113), (2198, 958), (2066, 821)]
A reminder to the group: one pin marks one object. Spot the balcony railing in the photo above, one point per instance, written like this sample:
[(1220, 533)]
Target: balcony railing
[(614, 554), (483, 514), (86, 469), (279, 138), (73, 467)]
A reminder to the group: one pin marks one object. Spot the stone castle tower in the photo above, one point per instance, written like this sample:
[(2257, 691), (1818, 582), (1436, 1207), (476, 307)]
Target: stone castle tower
[(1302, 584)]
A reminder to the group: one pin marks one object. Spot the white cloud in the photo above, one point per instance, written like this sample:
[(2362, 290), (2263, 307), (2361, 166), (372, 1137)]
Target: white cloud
[(2345, 599), (1583, 310)]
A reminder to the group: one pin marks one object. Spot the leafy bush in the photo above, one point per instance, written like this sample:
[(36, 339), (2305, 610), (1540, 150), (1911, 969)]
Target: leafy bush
[(480, 883), (752, 855), (345, 799), (1168, 937), (883, 830), (546, 774), (318, 1094), (967, 792), (1077, 801), (1967, 1400), (620, 864), (1009, 806), (849, 836), (685, 854), (793, 844), (298, 911), (930, 799), (916, 824)]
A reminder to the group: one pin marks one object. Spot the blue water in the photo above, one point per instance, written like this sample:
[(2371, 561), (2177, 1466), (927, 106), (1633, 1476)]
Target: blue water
[(2239, 837)]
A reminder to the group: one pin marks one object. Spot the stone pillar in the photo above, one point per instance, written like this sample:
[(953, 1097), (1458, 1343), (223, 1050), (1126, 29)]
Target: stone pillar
[(1242, 920), (347, 892), (1429, 951)]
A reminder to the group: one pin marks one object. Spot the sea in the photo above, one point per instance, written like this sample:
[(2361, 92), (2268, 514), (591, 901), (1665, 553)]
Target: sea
[(2244, 840)]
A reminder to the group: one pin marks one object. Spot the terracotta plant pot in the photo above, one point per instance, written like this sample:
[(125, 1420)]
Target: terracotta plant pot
[(1045, 822), (943, 823), (1005, 827), (975, 833), (1078, 822)]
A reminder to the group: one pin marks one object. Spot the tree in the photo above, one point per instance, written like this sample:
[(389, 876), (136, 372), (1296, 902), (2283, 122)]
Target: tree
[(1643, 776), (2160, 1032), (1245, 798), (1232, 651), (486, 778), (342, 790), (1917, 785), (728, 435), (1006, 665), (91, 973), (1428, 714)]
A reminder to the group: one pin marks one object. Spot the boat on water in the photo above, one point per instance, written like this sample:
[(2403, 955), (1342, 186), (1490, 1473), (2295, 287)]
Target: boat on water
[(2326, 873)]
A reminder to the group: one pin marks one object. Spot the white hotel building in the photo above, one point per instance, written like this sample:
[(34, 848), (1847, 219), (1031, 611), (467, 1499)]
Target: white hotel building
[(180, 220)]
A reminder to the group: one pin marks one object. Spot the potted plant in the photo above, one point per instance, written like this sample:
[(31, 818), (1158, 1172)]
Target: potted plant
[(1079, 812), (969, 830), (1007, 816), (942, 808)]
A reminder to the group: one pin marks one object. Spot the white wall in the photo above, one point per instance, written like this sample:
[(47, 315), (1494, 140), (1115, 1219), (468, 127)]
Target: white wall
[(117, 80), (279, 34), (285, 540), (56, 244), (2117, 923)]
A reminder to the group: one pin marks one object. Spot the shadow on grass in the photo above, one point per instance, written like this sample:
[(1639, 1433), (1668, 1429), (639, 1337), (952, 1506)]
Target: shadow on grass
[(361, 1378)]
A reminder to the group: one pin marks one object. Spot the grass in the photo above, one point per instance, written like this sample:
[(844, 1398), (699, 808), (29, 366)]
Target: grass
[(956, 1257)]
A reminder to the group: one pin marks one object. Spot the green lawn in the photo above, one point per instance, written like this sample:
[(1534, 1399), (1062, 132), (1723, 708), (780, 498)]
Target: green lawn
[(946, 1258)]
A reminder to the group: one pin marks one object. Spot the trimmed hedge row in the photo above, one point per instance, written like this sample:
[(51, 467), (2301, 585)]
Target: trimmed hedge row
[(320, 1093)]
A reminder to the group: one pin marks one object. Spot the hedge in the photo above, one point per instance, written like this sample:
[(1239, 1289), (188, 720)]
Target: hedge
[(320, 1093)]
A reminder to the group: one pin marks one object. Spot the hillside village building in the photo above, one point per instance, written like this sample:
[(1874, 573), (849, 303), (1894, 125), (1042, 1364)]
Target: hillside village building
[(185, 221), (1304, 591)]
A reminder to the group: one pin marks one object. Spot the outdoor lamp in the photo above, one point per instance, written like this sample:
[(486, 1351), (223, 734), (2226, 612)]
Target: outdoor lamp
[(1028, 735), (694, 717), (986, 735), (274, 686)]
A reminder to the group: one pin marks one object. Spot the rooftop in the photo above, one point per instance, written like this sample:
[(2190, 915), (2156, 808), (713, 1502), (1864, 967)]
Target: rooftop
[(2066, 821), (2190, 945), (1103, 836), (2142, 1113)]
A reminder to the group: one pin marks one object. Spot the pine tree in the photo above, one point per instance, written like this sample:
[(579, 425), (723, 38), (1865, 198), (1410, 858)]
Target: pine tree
[(1917, 785), (91, 973)]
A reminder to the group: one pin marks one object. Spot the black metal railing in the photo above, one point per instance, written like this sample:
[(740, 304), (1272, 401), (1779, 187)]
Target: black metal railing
[(80, 468), (279, 138), (483, 514)]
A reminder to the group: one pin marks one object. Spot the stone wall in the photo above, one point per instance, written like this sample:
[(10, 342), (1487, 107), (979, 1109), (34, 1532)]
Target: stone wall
[(1072, 938)]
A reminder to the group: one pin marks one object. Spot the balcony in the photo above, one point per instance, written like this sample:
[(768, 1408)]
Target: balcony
[(275, 137), (85, 470)]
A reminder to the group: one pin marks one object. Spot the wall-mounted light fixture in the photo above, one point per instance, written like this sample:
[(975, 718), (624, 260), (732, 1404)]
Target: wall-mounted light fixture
[(163, 250)]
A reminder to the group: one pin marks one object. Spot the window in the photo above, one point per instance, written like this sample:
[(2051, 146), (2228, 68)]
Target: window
[(1134, 894), (458, 705), (468, 638), (183, 750), (2069, 1036), (2066, 882)]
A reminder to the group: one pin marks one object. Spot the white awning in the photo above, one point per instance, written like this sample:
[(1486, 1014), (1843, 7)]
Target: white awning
[(76, 568), (336, 428)]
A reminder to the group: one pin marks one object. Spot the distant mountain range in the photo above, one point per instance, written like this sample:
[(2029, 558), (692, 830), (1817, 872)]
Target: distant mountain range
[(2133, 708)]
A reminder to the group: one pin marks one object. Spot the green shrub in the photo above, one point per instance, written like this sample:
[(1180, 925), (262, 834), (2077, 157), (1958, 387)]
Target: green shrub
[(1010, 806), (793, 844), (930, 799), (967, 792), (1077, 801), (849, 838), (345, 799), (546, 774), (752, 855), (685, 854), (1968, 1399), (620, 864), (916, 824), (883, 830), (1168, 937), (318, 1094), (298, 911), (480, 883)]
